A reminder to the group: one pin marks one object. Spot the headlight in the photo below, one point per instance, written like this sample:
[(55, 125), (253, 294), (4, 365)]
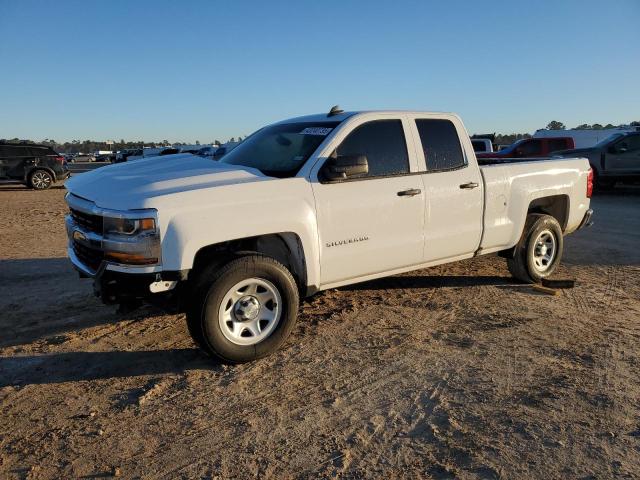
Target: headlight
[(128, 226), (131, 239)]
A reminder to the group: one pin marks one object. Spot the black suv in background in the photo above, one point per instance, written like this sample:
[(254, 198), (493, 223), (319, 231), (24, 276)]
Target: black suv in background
[(37, 166)]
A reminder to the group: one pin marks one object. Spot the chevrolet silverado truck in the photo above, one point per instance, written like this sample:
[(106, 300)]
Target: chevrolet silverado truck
[(310, 204)]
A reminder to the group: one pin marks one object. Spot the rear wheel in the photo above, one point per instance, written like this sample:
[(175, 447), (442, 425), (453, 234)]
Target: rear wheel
[(40, 180), (243, 310), (538, 253)]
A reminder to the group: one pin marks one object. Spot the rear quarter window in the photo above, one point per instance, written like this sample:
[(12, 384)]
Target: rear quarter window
[(13, 151)]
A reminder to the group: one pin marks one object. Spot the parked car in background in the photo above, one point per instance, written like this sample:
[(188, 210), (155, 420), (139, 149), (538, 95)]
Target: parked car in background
[(105, 157), (482, 145), (84, 157), (222, 150), (207, 151), (37, 166), (585, 138), (531, 148), (146, 152), (310, 204), (123, 155), (614, 159)]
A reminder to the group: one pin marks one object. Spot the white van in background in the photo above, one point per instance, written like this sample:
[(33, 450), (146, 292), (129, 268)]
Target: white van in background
[(584, 138)]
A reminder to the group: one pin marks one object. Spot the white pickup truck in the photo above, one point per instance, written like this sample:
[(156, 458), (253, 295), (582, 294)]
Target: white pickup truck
[(309, 204)]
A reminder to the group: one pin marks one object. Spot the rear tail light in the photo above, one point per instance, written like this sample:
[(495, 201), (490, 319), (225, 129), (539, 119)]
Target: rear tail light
[(590, 183), (59, 159)]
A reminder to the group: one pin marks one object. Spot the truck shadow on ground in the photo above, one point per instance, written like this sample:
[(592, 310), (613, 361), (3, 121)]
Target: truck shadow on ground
[(63, 367), (432, 281)]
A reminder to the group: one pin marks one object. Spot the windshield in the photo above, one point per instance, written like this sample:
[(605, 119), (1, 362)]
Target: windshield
[(280, 150), (609, 139), (513, 146)]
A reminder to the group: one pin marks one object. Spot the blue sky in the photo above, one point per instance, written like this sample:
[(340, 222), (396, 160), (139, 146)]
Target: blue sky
[(205, 70)]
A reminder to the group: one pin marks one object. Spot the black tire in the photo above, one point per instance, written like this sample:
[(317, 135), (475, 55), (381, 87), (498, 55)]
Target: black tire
[(523, 264), (215, 282), (40, 179)]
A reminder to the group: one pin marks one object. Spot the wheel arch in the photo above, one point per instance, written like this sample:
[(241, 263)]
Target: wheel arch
[(556, 206), (285, 247)]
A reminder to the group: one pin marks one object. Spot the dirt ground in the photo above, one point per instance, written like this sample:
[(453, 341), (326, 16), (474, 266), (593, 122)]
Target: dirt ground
[(452, 372)]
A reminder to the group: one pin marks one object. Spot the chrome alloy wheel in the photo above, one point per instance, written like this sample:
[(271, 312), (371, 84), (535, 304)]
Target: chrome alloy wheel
[(544, 250), (250, 311), (41, 180)]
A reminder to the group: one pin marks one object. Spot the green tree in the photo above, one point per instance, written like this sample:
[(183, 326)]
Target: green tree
[(555, 125), (597, 126), (584, 126)]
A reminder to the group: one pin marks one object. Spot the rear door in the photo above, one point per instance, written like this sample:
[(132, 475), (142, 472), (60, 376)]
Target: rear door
[(14, 161), (373, 223), (453, 189)]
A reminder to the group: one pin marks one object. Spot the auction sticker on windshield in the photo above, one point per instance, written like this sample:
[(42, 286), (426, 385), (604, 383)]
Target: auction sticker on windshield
[(316, 131)]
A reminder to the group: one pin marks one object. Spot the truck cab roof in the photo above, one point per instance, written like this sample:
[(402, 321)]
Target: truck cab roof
[(339, 117)]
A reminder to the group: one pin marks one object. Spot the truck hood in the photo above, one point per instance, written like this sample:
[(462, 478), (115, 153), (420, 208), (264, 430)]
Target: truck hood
[(127, 186)]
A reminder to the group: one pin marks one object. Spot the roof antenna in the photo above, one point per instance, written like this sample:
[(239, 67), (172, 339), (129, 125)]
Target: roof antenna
[(335, 110)]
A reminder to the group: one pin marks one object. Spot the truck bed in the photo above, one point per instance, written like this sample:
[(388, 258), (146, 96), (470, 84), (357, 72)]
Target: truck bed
[(513, 185)]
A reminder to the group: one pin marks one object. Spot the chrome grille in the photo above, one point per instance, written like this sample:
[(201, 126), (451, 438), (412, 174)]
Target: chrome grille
[(90, 222), (91, 257)]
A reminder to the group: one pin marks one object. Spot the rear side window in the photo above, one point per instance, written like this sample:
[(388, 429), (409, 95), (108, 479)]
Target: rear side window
[(14, 151), (383, 143), (557, 144), (632, 143), (440, 144), (530, 147), (478, 146)]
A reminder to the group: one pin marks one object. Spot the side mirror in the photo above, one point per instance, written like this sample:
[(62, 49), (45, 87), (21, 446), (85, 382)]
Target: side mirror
[(343, 167)]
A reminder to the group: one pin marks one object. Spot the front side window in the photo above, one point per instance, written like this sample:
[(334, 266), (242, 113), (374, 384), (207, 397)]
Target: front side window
[(280, 150), (384, 145), (631, 143), (441, 144)]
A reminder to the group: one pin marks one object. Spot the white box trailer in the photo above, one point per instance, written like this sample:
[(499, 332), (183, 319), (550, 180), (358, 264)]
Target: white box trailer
[(583, 138)]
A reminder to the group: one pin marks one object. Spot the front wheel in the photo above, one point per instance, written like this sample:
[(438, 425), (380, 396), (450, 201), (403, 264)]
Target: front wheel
[(538, 253), (243, 310), (40, 180)]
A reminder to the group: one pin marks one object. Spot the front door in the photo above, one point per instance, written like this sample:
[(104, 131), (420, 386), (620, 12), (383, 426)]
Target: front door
[(624, 159), (373, 223)]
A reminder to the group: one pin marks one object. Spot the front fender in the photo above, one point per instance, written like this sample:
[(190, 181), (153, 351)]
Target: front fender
[(195, 220)]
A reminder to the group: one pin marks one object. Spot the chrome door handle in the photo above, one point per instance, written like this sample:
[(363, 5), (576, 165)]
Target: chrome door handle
[(469, 185), (410, 193)]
